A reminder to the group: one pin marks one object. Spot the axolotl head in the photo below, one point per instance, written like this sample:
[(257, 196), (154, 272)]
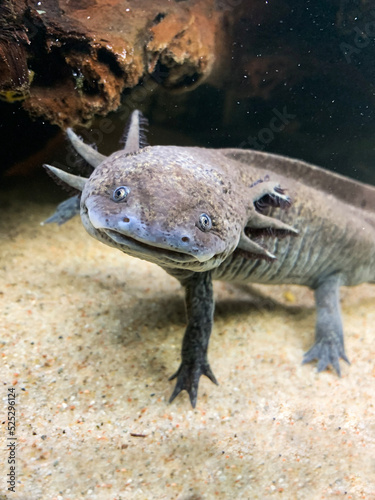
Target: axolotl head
[(165, 205), (177, 207)]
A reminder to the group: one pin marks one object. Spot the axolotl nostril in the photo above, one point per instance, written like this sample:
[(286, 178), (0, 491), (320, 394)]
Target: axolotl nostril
[(232, 215)]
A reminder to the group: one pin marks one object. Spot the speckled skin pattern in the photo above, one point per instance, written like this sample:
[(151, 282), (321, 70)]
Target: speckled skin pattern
[(320, 234)]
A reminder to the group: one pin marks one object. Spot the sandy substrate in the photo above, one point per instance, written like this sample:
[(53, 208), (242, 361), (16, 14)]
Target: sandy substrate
[(88, 339)]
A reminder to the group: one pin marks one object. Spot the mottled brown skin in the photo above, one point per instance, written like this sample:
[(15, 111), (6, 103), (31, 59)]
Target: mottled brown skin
[(323, 240)]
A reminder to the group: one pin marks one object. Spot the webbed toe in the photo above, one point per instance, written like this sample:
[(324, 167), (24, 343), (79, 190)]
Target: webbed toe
[(188, 376), (327, 352)]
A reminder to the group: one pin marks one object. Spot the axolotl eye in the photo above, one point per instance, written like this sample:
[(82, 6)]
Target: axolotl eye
[(120, 193), (204, 222)]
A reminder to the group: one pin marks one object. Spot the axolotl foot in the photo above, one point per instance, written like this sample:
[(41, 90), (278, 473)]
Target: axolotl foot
[(327, 352), (188, 376), (329, 338)]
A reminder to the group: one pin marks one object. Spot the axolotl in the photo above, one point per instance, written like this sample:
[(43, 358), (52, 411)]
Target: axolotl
[(235, 215)]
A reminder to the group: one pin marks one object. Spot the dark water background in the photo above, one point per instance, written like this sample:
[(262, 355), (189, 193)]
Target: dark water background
[(311, 60)]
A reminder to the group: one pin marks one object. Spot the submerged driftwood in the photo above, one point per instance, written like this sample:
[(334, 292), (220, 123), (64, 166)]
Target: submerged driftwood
[(71, 60)]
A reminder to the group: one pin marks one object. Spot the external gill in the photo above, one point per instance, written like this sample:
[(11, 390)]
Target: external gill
[(93, 157), (266, 193), (251, 250), (70, 207), (134, 137)]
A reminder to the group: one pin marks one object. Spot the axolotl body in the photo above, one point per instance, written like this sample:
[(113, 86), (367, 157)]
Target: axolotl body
[(233, 215)]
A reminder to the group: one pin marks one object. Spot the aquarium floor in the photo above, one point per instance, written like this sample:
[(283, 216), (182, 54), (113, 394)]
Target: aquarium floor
[(89, 337)]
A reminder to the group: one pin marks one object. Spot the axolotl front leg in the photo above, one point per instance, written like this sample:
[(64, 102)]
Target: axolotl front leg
[(200, 309)]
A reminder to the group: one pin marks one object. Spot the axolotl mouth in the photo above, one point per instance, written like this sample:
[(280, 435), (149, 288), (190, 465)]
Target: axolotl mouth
[(146, 249)]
